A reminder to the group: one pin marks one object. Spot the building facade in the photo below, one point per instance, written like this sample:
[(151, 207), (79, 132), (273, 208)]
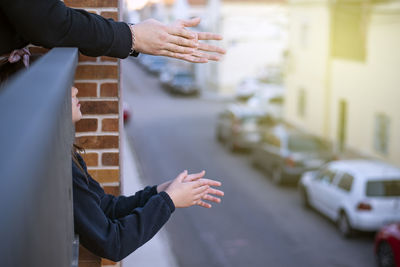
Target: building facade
[(341, 74)]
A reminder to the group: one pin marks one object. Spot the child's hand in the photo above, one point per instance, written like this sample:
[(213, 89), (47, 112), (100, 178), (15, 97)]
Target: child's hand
[(188, 190), (186, 194), (211, 191)]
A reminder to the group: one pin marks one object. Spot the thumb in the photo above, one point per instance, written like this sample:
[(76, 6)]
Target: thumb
[(191, 22), (182, 176)]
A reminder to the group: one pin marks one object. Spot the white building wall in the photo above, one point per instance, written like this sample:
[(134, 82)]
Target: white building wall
[(308, 65), (371, 87)]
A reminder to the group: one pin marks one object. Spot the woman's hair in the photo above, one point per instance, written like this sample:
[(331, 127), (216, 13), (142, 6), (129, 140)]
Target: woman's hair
[(74, 151)]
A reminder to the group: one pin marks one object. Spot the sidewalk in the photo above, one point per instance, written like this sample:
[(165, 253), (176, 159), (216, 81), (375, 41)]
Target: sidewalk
[(156, 252)]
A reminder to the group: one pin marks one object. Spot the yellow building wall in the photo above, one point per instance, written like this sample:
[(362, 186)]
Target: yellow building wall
[(307, 64), (371, 87)]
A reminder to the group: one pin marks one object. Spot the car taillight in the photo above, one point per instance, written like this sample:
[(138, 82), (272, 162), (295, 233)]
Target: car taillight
[(290, 162), (362, 206)]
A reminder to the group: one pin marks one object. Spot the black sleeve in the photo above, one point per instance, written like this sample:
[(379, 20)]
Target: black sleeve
[(115, 239), (117, 207), (49, 23)]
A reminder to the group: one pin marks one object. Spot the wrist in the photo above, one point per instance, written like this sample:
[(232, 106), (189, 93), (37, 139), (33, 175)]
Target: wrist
[(133, 51)]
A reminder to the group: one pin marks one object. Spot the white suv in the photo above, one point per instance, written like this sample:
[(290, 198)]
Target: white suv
[(357, 194)]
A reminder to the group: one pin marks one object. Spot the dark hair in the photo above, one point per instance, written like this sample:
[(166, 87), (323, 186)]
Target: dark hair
[(74, 151)]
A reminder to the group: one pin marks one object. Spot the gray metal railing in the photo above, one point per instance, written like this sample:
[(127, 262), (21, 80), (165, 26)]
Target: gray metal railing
[(36, 134)]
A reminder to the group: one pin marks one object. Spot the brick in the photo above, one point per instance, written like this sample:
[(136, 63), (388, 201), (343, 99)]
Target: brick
[(91, 159), (106, 262), (83, 58), (105, 176), (110, 159), (99, 107), (113, 190), (110, 125), (86, 125), (87, 258), (109, 90), (110, 15), (86, 89), (96, 72), (91, 3), (98, 142), (108, 59)]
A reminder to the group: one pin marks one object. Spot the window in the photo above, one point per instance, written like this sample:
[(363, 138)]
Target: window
[(349, 30), (301, 104), (272, 140), (346, 182), (381, 136), (388, 188), (325, 176)]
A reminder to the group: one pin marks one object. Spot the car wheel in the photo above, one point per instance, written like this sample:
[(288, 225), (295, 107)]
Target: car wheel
[(277, 176), (344, 225), (385, 256), (304, 197)]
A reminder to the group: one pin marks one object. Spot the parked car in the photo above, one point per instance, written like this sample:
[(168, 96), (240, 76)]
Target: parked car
[(182, 83), (387, 246), (286, 153), (357, 194), (157, 65), (240, 127)]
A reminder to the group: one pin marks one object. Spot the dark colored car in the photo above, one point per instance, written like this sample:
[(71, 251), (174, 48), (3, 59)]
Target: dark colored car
[(241, 127), (182, 83), (387, 246), (286, 153)]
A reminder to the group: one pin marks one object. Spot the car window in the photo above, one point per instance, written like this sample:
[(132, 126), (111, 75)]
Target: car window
[(388, 188), (346, 182), (272, 140), (303, 143), (325, 176)]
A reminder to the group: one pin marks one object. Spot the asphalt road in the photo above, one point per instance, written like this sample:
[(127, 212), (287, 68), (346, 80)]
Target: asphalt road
[(257, 224)]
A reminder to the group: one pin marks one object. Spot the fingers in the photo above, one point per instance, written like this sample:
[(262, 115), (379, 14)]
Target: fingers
[(181, 176), (199, 192), (190, 22), (203, 204), (179, 49), (195, 176), (208, 36), (199, 54), (180, 41), (211, 48), (179, 31), (211, 198), (215, 192), (186, 57), (205, 181)]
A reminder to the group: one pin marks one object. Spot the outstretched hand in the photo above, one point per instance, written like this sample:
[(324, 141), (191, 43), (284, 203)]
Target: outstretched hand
[(210, 191), (174, 40), (189, 190)]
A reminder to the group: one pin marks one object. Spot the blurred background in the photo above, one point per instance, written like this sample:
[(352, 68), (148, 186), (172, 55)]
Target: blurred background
[(300, 121)]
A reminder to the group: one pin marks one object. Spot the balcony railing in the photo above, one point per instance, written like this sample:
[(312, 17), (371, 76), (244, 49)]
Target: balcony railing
[(36, 134)]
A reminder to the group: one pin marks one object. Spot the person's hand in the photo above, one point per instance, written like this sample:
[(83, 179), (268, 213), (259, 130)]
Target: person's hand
[(186, 194), (210, 192), (174, 40)]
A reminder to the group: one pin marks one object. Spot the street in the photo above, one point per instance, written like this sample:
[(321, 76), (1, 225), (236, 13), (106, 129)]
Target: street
[(257, 224)]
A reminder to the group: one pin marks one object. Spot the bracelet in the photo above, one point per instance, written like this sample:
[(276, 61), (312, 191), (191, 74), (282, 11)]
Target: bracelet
[(133, 52)]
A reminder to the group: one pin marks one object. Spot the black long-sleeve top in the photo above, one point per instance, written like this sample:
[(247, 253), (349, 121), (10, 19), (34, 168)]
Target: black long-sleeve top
[(49, 23), (113, 227)]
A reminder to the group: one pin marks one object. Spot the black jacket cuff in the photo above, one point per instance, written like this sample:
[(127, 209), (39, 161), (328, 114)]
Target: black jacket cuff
[(168, 200)]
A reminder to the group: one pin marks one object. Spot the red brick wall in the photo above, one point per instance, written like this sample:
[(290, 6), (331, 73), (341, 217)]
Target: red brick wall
[(98, 132)]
